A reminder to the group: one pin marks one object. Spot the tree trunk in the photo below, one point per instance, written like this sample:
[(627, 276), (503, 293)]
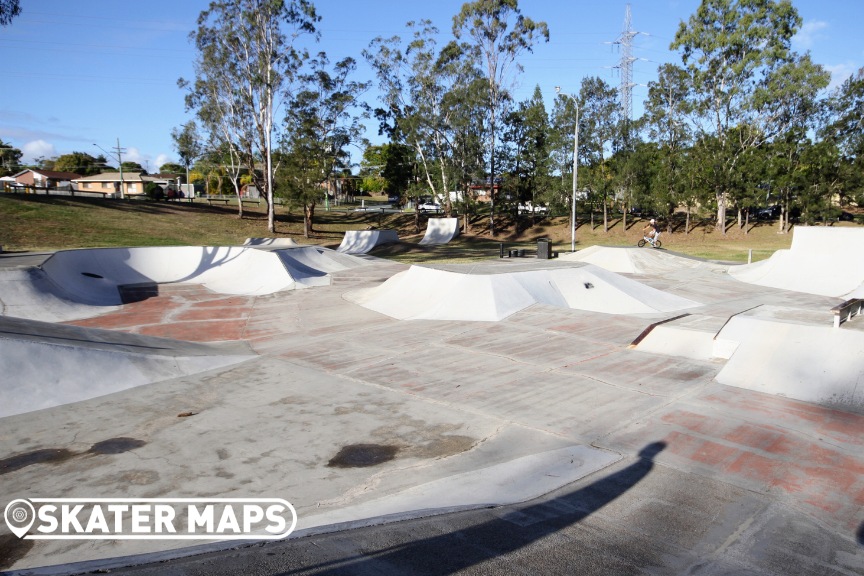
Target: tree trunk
[(308, 214), (687, 221), (721, 212), (605, 217)]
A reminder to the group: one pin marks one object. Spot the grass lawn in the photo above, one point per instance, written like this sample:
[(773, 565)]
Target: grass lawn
[(42, 223)]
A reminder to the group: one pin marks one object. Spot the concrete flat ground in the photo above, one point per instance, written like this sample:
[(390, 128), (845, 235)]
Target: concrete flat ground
[(669, 471)]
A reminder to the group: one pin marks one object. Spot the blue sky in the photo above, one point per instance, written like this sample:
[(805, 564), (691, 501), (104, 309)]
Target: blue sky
[(83, 72)]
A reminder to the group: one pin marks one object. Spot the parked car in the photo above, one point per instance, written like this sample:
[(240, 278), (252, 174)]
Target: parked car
[(768, 213), (531, 208), (429, 206)]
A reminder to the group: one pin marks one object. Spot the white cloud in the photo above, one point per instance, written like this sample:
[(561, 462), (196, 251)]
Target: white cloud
[(36, 149), (808, 34), (160, 160), (840, 73)]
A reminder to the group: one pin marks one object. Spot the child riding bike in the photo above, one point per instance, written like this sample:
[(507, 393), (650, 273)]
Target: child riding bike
[(650, 235)]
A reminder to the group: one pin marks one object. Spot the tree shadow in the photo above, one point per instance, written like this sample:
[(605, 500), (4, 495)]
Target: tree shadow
[(459, 550)]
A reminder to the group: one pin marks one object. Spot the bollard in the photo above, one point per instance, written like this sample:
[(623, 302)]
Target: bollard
[(750, 256)]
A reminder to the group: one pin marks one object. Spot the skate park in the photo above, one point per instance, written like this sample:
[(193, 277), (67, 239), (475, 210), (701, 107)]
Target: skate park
[(368, 392)]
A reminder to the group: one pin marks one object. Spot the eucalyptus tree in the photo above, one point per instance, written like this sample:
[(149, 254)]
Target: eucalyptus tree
[(599, 136), (187, 143), (226, 118), (666, 119), (427, 97), (561, 146), (9, 9), (324, 118), (500, 34), (80, 163), (527, 137), (742, 71), (10, 159), (844, 127), (256, 42)]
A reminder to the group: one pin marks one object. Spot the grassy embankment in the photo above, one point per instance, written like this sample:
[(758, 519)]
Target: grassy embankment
[(40, 223)]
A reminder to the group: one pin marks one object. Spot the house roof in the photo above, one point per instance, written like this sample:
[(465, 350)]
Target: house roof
[(52, 174), (112, 177)]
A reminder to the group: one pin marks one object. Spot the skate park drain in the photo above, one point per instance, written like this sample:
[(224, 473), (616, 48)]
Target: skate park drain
[(362, 455), (116, 446), (42, 456), (92, 275)]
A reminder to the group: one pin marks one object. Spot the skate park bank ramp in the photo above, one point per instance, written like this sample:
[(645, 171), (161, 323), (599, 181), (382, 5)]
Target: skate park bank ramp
[(632, 260), (68, 364), (770, 352), (440, 231), (69, 284), (822, 260), (362, 241), (280, 242), (433, 294)]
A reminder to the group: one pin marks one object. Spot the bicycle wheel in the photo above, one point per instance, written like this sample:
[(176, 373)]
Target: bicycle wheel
[(657, 243), (641, 243)]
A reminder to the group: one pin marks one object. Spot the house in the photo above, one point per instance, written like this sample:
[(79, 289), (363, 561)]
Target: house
[(109, 183), (36, 178)]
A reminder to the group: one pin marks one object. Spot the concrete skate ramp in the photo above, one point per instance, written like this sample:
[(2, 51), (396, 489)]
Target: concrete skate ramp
[(312, 265), (432, 294), (28, 292), (822, 260), (93, 276), (813, 363), (270, 242), (633, 260), (68, 364), (362, 241), (440, 231)]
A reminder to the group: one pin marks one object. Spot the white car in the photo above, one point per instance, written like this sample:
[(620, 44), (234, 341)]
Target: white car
[(430, 207), (529, 207)]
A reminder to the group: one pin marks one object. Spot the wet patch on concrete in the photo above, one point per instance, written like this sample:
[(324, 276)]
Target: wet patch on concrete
[(58, 455), (363, 455), (116, 446), (41, 456), (13, 549), (442, 447)]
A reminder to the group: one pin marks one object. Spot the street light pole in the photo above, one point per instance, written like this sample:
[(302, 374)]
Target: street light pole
[(575, 170), (118, 150)]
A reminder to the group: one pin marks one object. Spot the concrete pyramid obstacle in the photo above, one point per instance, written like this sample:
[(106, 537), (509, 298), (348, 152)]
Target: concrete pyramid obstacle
[(433, 294)]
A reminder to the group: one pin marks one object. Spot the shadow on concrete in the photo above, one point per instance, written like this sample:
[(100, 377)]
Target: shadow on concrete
[(459, 550), (860, 534)]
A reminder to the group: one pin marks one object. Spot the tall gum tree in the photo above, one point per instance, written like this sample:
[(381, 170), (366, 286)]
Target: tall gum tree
[(500, 34), (322, 121), (730, 48), (257, 42), (429, 99)]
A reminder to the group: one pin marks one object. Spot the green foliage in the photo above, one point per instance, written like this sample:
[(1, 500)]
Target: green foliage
[(9, 9), (154, 191), (172, 168), (80, 163), (10, 159)]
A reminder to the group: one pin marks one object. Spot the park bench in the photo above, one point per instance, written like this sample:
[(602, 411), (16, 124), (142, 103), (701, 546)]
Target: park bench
[(255, 201), (525, 252), (845, 311), (223, 200)]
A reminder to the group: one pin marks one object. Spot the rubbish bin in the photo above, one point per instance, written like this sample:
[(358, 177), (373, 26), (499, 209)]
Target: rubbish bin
[(544, 249)]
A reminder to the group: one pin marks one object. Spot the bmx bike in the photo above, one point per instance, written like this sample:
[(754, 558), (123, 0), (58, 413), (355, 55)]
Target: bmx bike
[(647, 240)]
